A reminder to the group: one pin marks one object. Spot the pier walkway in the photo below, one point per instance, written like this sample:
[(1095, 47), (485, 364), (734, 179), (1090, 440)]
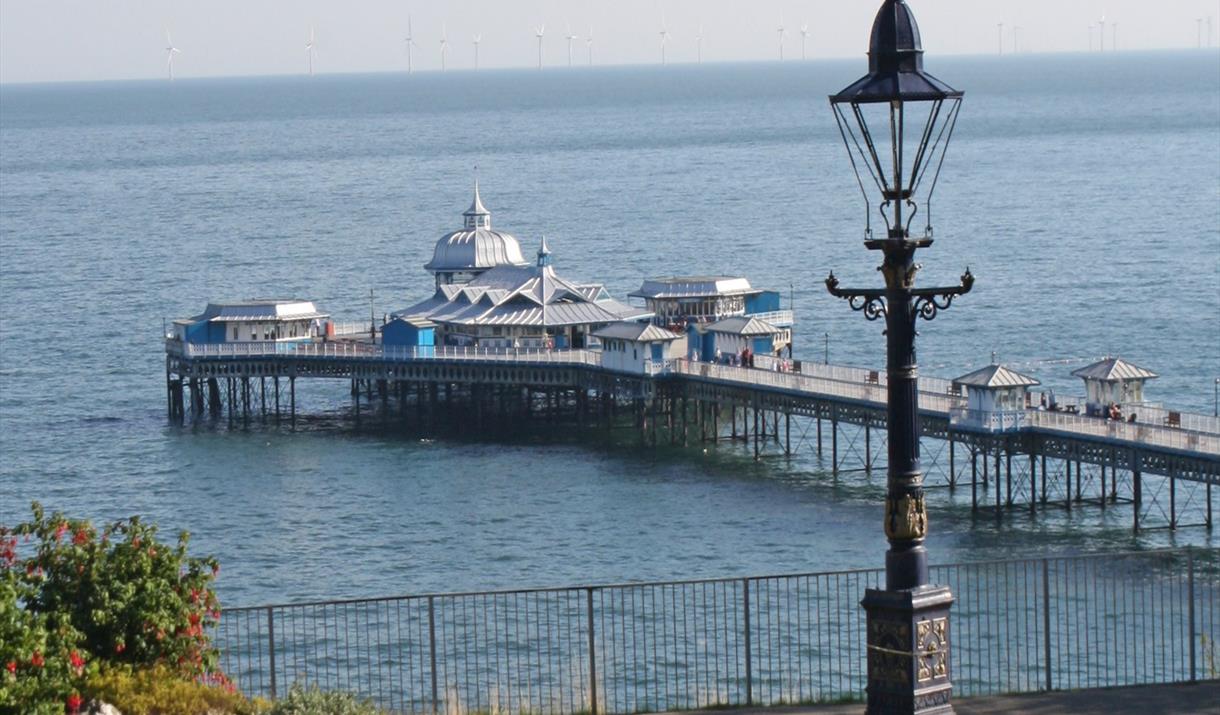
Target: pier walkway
[(1029, 458)]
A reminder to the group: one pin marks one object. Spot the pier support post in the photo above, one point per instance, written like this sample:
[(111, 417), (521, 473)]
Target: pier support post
[(788, 434), (1102, 500), (277, 399), (716, 422), (834, 443), (1033, 482), (819, 435), (1137, 492), (756, 433), (868, 448), (1008, 474), (1173, 498), (262, 396), (974, 478), (1044, 480), (292, 400), (952, 465), (1067, 482)]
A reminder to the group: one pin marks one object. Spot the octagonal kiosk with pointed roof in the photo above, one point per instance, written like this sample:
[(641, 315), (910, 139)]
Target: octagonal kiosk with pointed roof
[(996, 399), (1112, 381)]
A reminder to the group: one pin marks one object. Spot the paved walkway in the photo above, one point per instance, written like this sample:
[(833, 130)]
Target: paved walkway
[(1202, 698)]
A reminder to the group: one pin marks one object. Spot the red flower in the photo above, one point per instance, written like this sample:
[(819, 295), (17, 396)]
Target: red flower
[(74, 703), (120, 647), (36, 660), (76, 661), (80, 537), (11, 666), (60, 531)]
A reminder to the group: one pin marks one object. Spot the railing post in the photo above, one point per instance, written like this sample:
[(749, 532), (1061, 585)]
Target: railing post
[(1046, 619), (432, 651), (592, 655), (271, 647), (1190, 596), (745, 582)]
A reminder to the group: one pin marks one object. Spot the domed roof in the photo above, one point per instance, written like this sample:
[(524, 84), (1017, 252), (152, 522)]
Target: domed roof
[(475, 246)]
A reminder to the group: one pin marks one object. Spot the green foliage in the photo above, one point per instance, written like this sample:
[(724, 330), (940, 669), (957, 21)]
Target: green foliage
[(71, 597), (42, 665), (162, 691), (312, 701)]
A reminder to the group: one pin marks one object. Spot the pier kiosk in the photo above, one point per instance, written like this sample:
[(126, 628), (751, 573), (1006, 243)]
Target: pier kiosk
[(996, 399), (733, 335), (692, 304), (1112, 381)]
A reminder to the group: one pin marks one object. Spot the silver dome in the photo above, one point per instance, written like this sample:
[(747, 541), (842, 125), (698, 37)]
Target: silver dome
[(476, 246)]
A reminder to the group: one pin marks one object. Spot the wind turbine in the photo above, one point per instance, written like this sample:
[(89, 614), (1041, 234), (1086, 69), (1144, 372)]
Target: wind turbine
[(804, 37), (444, 44), (699, 43), (570, 38), (1016, 35), (170, 51), (781, 32), (1102, 38), (477, 39), (589, 45), (539, 32), (664, 39), (310, 49), (1199, 32), (1000, 36), (410, 44), (1091, 37)]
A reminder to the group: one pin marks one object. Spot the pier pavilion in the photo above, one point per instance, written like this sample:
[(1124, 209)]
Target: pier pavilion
[(512, 307)]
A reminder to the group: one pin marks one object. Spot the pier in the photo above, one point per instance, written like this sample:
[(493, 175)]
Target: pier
[(1029, 459)]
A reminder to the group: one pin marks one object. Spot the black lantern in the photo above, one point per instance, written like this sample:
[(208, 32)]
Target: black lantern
[(896, 122)]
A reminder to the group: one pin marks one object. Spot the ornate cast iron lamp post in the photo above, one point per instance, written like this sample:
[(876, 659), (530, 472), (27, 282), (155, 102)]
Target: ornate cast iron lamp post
[(896, 122)]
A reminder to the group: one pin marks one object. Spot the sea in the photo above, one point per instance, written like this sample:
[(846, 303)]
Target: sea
[(1083, 192)]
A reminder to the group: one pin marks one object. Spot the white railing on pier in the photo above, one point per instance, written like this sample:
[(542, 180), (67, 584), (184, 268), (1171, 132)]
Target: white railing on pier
[(779, 318), (927, 385), (351, 328), (988, 420), (1135, 432), (350, 350)]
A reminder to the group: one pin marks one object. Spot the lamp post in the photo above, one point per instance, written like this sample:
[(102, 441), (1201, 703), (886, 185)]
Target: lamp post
[(908, 621)]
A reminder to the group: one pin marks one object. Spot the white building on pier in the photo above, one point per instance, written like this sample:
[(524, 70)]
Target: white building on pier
[(269, 320)]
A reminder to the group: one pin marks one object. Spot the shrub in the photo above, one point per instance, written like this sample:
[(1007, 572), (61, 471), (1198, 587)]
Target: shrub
[(312, 701), (71, 597), (162, 691)]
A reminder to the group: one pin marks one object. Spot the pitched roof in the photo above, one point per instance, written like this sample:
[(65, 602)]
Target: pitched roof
[(995, 376), (743, 325), (1113, 370), (636, 332)]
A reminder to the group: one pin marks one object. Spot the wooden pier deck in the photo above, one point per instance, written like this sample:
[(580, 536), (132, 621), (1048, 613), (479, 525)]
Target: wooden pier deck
[(1030, 458)]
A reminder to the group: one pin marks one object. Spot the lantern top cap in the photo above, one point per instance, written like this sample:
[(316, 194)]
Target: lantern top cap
[(895, 63)]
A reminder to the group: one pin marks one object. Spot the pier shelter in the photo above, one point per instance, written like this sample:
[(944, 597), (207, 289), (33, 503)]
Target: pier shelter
[(1112, 381), (733, 335), (252, 321), (638, 347), (468, 252), (996, 399), (512, 306)]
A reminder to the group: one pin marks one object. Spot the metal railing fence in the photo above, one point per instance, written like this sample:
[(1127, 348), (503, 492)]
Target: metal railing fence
[(1018, 626)]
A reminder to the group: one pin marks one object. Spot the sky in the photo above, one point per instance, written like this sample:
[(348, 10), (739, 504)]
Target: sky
[(87, 40)]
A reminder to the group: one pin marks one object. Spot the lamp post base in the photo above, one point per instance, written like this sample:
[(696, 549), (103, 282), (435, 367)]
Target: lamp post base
[(908, 651)]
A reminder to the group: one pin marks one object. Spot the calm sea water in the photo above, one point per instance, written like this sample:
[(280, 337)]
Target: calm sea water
[(1083, 191)]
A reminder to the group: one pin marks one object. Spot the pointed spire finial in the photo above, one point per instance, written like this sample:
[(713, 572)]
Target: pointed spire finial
[(477, 216), (544, 253)]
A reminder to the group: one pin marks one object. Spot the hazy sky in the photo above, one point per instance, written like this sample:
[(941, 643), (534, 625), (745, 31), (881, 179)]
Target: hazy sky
[(51, 40)]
